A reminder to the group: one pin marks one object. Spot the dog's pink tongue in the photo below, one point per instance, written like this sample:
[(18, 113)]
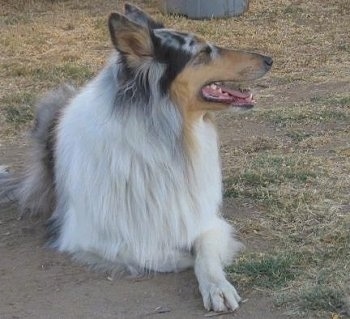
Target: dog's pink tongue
[(226, 95), (236, 93), (217, 93)]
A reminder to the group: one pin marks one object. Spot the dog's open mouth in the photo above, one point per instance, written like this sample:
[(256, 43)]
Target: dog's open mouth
[(225, 93)]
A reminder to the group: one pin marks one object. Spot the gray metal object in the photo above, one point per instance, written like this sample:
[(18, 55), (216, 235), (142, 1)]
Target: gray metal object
[(205, 9)]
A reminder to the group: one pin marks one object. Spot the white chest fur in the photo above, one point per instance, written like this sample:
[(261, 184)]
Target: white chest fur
[(128, 197)]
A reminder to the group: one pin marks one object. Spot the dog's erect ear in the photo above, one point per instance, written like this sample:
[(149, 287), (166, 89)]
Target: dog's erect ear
[(128, 37), (138, 16)]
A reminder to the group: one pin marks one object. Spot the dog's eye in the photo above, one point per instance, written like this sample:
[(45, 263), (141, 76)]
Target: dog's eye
[(206, 50), (203, 56)]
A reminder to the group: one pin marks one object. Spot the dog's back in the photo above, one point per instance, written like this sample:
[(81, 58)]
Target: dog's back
[(33, 188)]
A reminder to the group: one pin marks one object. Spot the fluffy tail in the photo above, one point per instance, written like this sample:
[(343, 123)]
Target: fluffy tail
[(33, 189)]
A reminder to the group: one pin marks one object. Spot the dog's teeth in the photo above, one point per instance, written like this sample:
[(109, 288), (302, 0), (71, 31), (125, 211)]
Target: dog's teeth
[(213, 86), (220, 91), (225, 94)]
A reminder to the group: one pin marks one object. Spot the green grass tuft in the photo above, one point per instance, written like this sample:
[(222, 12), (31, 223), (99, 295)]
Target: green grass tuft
[(299, 115), (293, 10), (66, 72), (322, 298), (298, 136), (264, 172), (24, 18), (332, 100), (18, 107), (266, 271)]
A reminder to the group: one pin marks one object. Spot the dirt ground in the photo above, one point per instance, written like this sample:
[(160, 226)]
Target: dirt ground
[(39, 283)]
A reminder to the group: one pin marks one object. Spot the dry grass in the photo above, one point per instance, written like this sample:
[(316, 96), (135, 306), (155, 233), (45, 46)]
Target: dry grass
[(296, 173), (298, 180)]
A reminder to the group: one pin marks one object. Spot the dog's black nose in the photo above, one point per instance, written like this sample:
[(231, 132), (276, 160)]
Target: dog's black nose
[(268, 62)]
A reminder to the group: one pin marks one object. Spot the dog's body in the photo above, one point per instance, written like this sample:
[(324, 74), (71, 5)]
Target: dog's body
[(130, 164)]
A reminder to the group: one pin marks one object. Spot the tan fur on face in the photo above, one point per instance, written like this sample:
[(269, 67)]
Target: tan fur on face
[(230, 65), (191, 109)]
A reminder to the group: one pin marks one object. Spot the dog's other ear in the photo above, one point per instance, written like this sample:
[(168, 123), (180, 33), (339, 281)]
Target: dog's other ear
[(138, 16), (128, 37)]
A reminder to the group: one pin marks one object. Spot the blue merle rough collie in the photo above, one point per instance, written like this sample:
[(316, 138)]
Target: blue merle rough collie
[(128, 167)]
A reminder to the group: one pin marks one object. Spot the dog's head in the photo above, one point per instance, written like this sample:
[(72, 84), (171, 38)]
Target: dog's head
[(196, 75)]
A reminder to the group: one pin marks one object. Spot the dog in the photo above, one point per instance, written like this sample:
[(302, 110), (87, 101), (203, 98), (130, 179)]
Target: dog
[(127, 169)]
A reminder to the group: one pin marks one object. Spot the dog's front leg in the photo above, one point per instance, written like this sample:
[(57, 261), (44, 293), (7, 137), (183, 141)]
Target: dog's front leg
[(213, 250)]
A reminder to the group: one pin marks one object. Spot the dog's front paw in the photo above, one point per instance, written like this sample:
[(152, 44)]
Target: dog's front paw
[(219, 296)]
